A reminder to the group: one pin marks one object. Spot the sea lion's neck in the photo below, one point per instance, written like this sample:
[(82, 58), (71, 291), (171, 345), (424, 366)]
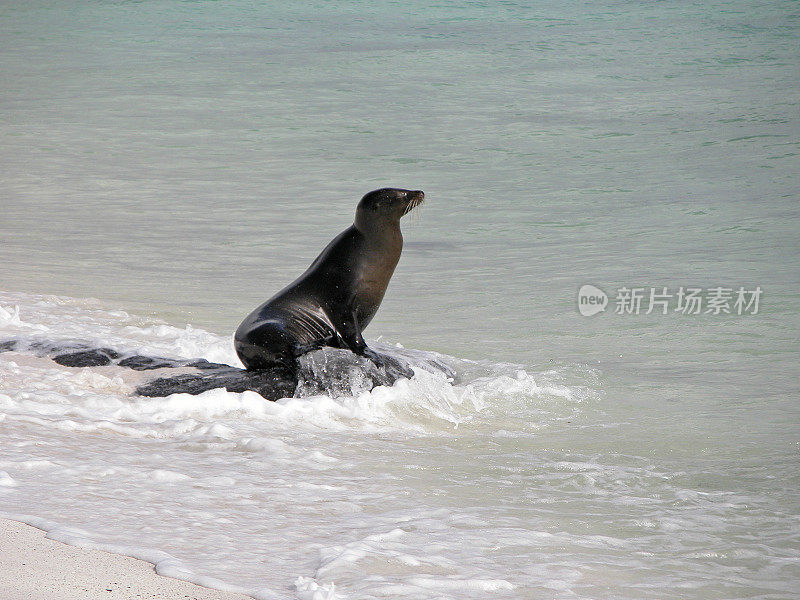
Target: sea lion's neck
[(380, 233), (383, 244)]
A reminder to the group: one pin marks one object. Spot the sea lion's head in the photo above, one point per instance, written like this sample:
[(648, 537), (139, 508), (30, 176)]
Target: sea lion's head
[(387, 205)]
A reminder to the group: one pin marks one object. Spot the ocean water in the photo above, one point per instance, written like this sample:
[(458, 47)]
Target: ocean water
[(167, 166)]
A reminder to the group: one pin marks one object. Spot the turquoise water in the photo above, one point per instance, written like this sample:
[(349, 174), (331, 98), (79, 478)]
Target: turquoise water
[(181, 161)]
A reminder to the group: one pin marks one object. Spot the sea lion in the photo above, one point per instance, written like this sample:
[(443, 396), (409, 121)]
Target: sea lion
[(335, 299)]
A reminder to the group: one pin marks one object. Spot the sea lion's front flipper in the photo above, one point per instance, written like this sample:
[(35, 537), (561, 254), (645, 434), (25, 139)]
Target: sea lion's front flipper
[(350, 338), (391, 366)]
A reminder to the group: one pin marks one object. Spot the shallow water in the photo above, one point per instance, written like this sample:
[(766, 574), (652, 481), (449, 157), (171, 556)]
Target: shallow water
[(174, 163)]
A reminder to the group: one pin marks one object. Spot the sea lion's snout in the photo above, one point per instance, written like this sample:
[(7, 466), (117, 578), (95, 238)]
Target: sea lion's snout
[(414, 199)]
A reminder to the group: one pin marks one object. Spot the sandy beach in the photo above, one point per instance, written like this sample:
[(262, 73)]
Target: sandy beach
[(33, 567)]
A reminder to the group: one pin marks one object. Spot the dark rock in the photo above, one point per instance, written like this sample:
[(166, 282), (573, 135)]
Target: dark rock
[(146, 363), (87, 358), (8, 345), (271, 385)]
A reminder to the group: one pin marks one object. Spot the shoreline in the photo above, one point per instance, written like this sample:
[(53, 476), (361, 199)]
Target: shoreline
[(34, 566)]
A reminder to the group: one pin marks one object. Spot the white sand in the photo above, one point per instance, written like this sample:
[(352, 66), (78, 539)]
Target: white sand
[(33, 567)]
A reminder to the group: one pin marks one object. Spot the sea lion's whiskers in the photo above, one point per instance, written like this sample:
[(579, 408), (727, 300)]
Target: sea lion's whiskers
[(413, 204), (410, 209)]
